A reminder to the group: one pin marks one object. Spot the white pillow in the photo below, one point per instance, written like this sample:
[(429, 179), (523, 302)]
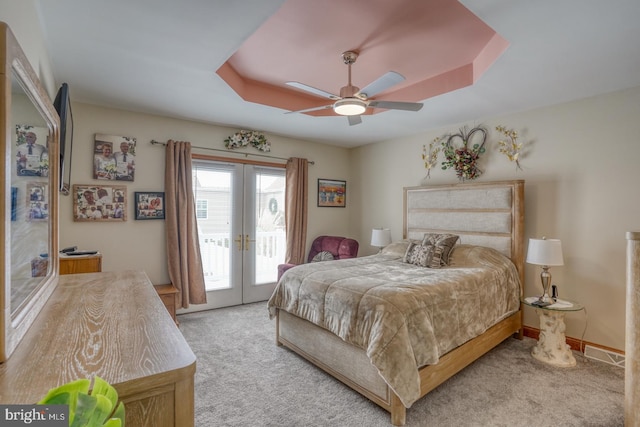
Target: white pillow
[(323, 256)]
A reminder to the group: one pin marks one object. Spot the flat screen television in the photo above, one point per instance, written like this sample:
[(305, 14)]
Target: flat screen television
[(62, 104)]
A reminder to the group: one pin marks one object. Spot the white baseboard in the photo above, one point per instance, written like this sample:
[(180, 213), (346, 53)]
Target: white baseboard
[(605, 356)]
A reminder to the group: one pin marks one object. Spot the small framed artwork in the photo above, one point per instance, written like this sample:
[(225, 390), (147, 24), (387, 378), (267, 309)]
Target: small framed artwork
[(114, 157), (31, 151), (37, 201), (149, 205), (99, 203), (332, 193)]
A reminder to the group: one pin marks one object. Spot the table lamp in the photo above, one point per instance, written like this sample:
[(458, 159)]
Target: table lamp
[(380, 237), (545, 252)]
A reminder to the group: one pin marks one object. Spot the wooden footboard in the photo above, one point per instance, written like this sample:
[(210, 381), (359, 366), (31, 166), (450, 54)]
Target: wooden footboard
[(351, 366)]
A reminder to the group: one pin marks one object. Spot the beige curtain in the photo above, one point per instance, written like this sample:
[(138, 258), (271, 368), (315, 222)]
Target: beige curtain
[(183, 248), (295, 213)]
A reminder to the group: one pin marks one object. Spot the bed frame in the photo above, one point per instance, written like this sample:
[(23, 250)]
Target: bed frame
[(487, 214)]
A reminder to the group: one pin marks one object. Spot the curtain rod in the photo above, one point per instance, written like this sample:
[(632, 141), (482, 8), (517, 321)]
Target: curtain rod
[(154, 142)]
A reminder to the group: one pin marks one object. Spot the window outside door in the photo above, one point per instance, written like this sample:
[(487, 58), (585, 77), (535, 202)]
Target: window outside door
[(240, 211)]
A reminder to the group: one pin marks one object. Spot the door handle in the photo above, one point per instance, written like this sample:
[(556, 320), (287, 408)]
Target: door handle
[(239, 242), (246, 242)]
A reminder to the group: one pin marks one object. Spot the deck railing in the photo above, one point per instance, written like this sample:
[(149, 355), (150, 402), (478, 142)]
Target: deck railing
[(270, 247)]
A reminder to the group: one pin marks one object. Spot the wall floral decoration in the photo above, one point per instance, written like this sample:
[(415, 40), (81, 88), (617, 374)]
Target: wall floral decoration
[(430, 156), (247, 137), (462, 151), (510, 147)]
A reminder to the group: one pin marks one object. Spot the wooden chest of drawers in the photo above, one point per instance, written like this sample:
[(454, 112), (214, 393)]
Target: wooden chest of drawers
[(80, 264)]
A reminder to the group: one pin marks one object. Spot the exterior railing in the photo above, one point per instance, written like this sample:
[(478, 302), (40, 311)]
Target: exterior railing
[(215, 249)]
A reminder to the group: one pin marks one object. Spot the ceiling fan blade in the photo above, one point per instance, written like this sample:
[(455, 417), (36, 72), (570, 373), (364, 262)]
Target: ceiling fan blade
[(383, 83), (306, 110), (394, 105), (354, 120), (313, 90)]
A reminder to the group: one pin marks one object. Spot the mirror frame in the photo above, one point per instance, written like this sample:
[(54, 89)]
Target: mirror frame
[(14, 325)]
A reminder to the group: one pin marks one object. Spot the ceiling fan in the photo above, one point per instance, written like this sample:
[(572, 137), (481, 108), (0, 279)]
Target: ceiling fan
[(354, 101)]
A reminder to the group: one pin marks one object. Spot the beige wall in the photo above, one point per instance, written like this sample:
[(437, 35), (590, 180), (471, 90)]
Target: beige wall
[(22, 18), (141, 244), (581, 172), (580, 169)]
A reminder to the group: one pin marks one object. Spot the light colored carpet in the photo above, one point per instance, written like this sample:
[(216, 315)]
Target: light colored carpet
[(244, 379)]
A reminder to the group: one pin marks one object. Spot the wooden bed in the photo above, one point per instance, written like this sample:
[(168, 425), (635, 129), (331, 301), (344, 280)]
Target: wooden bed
[(484, 214)]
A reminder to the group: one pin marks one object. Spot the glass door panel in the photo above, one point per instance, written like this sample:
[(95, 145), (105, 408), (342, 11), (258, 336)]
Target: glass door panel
[(240, 210), (264, 231)]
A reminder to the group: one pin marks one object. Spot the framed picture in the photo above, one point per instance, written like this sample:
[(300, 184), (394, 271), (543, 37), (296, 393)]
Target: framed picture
[(114, 157), (99, 203), (31, 151), (37, 201), (332, 193), (149, 205)]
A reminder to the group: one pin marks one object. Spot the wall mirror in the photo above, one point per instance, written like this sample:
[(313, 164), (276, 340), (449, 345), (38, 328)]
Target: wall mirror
[(29, 140)]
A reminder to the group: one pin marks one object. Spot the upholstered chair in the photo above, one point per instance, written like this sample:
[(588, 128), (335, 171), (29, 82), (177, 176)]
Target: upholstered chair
[(326, 248)]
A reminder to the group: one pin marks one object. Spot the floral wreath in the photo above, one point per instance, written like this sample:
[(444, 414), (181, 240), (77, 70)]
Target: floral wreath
[(247, 137), (464, 159)]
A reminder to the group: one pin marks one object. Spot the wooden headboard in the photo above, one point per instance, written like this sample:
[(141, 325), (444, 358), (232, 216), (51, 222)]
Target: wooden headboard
[(484, 214)]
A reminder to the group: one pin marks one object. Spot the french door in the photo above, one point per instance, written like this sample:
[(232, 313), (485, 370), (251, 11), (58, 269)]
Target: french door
[(240, 211)]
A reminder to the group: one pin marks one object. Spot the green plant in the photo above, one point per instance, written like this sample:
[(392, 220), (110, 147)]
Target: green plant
[(98, 408)]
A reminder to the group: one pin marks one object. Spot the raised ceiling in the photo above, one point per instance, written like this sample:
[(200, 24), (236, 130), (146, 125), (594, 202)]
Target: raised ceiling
[(161, 56), (438, 46)]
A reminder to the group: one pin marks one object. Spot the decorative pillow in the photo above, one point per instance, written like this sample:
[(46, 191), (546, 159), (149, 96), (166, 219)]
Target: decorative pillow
[(323, 256), (443, 244), (396, 249), (408, 253), (422, 255)]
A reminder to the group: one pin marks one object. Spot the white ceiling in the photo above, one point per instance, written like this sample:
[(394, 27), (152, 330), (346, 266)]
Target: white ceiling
[(161, 57)]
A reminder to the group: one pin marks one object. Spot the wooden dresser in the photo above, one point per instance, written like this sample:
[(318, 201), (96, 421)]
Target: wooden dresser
[(113, 325), (80, 264)]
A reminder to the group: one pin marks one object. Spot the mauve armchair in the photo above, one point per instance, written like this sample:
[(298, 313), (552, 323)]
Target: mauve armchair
[(338, 247)]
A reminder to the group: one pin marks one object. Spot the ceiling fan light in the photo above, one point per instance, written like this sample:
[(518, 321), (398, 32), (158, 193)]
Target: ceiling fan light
[(350, 107)]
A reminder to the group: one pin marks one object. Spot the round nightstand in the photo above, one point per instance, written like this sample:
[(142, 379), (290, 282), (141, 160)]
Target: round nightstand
[(552, 347)]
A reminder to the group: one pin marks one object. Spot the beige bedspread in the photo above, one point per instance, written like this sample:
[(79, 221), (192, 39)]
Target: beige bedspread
[(403, 316)]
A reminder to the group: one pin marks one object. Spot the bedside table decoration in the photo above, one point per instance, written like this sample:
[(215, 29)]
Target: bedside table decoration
[(545, 252), (380, 237)]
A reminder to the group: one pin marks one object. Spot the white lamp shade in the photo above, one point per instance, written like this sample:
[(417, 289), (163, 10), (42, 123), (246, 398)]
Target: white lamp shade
[(545, 252), (380, 237)]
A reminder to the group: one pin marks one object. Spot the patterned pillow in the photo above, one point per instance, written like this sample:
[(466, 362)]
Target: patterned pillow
[(422, 255), (323, 256), (419, 254), (443, 245), (409, 252)]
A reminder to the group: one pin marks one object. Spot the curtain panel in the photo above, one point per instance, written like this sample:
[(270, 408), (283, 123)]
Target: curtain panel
[(183, 247), (296, 209)]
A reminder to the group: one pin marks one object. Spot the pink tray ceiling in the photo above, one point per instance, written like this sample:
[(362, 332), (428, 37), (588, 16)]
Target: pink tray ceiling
[(438, 46)]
